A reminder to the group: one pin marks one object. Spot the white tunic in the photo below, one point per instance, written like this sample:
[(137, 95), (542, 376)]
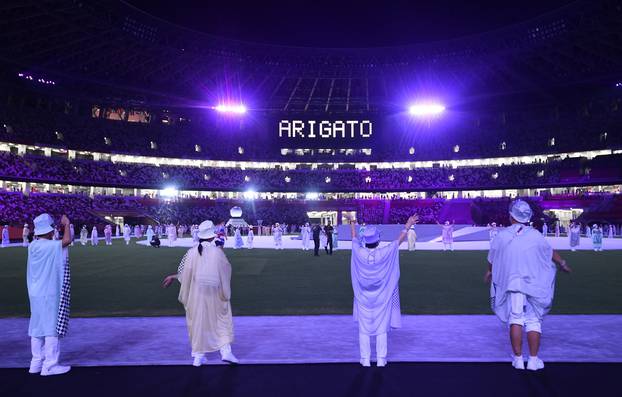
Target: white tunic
[(375, 282), (521, 262)]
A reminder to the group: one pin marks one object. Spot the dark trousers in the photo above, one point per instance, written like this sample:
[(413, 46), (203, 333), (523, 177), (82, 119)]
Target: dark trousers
[(329, 247), (316, 246)]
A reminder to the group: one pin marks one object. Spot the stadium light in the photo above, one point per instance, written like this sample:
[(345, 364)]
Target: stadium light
[(231, 108), (312, 196), (169, 191), (426, 109), (250, 194)]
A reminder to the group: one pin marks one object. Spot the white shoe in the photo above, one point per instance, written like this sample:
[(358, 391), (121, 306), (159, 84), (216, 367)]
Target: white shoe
[(534, 364), (518, 363), (55, 370), (381, 362), (365, 362), (198, 361), (228, 357)]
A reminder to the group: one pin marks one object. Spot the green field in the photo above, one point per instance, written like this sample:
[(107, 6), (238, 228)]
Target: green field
[(125, 281)]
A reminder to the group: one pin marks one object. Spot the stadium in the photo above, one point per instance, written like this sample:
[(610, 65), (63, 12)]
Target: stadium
[(135, 122)]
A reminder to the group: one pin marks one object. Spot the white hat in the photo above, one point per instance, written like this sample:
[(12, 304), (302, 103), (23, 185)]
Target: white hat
[(25, 225), (43, 224), (371, 235), (494, 224), (206, 230), (520, 211)]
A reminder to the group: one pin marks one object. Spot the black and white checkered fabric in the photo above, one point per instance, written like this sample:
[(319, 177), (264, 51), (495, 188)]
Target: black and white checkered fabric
[(62, 322)]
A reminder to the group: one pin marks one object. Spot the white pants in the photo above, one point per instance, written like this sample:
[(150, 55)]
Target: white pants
[(365, 346), (45, 351), (522, 313)]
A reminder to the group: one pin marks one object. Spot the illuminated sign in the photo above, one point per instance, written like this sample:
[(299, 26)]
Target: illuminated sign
[(337, 129)]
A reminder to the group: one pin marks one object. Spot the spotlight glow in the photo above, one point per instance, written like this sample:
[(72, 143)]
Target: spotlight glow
[(169, 191), (250, 194), (231, 108), (426, 109)]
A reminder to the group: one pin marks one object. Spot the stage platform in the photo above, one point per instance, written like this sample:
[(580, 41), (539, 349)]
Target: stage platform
[(133, 341)]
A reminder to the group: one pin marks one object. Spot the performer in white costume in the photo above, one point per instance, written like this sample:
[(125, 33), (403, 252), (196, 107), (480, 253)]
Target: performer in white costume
[(127, 231), (205, 277), (305, 236), (335, 239), (277, 234), (557, 229), (588, 231), (49, 289), (610, 232), (84, 235), (447, 235), (574, 234), (523, 280), (597, 237), (412, 238), (249, 238), (375, 275), (492, 233), (118, 231), (239, 242), (149, 234), (5, 236), (137, 232), (108, 234), (171, 234), (25, 233), (194, 231), (323, 240), (545, 229), (72, 233), (94, 236)]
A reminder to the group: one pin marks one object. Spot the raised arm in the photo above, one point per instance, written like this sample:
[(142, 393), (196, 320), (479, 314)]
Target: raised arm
[(411, 221), (66, 241)]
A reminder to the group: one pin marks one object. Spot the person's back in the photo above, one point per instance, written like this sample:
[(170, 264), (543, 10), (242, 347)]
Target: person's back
[(44, 280)]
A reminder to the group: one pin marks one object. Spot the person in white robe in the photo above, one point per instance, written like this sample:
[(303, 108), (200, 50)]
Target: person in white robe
[(25, 233), (304, 237), (323, 240), (137, 232), (412, 238), (492, 233), (180, 231), (117, 231), (375, 273), (5, 236), (127, 231), (249, 238), (149, 234), (94, 236), (522, 272), (557, 229), (49, 289), (597, 237), (194, 231), (588, 231), (447, 235), (335, 239), (574, 236), (277, 234), (545, 229), (610, 232), (72, 233), (205, 277), (108, 234), (171, 234), (84, 235), (238, 242)]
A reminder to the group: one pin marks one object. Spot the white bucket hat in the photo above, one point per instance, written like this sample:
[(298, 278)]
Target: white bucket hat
[(43, 224), (206, 230), (521, 211), (371, 235)]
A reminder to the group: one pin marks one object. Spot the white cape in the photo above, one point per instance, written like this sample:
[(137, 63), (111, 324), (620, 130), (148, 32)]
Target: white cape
[(375, 282)]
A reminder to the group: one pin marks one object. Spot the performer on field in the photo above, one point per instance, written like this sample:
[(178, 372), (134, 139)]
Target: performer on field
[(25, 233), (249, 238), (492, 233), (375, 275), (94, 236), (412, 238), (239, 242), (49, 289), (205, 277), (545, 229), (72, 233), (448, 235), (575, 236), (597, 237), (523, 278), (277, 234), (84, 235), (108, 234), (126, 234), (305, 232)]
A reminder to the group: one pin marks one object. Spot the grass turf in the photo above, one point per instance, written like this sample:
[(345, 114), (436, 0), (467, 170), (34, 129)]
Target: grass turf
[(125, 281)]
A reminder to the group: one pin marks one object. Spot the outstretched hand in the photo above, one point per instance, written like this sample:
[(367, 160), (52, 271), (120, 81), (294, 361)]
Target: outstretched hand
[(412, 220), (168, 280)]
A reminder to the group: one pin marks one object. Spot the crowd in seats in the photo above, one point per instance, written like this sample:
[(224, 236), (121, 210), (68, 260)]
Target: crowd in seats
[(38, 168)]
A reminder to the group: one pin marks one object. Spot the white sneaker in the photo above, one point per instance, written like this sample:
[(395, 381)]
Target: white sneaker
[(55, 370), (198, 361), (381, 362), (365, 362), (518, 362), (534, 364), (228, 357)]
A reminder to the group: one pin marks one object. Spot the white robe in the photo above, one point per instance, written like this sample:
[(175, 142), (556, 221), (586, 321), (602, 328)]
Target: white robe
[(126, 233), (521, 262), (249, 239), (94, 237), (375, 282)]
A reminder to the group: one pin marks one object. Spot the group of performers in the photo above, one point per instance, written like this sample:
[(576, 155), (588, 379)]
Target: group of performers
[(521, 270)]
